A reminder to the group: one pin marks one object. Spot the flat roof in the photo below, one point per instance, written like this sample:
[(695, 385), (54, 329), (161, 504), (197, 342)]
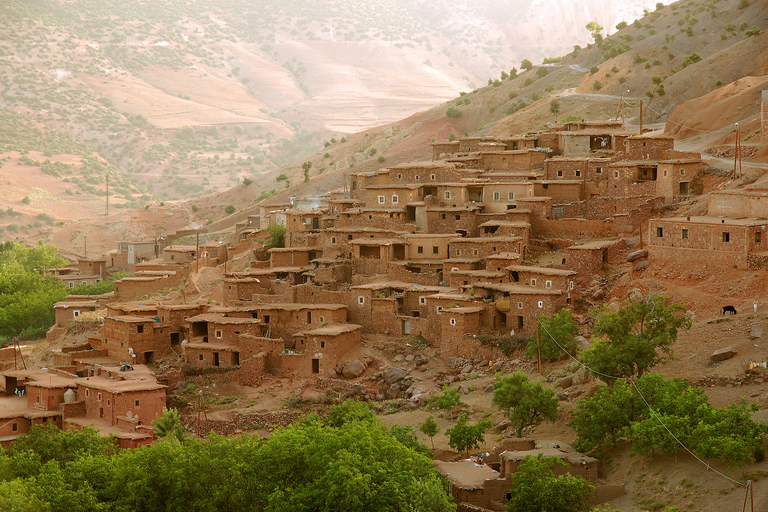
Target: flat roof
[(591, 246), (542, 270), (479, 273), (284, 306), (220, 319), (508, 223), (330, 330), (465, 310), (504, 256), (516, 289), (378, 241), (467, 474), (131, 319), (119, 386), (76, 304), (710, 220), (486, 239), (295, 249), (408, 186), (400, 284)]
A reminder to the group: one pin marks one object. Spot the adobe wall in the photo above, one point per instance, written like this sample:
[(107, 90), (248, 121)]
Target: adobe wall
[(120, 336), (445, 222), (360, 307), (334, 274), (459, 340), (530, 311), (600, 208), (584, 262), (647, 148), (289, 259), (536, 279), (727, 203), (764, 118), (428, 277), (130, 288), (384, 318), (577, 228), (353, 218), (559, 191), (366, 266), (483, 248), (311, 294)]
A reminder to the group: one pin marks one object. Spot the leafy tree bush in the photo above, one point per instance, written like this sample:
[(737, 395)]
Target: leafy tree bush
[(554, 106), (597, 85), (635, 338), (463, 437), (247, 181), (451, 137), (542, 72), (276, 236), (229, 209), (429, 428), (526, 65), (453, 112), (447, 401), (169, 426), (525, 403), (282, 177), (306, 166), (594, 31), (535, 488), (563, 328), (621, 25)]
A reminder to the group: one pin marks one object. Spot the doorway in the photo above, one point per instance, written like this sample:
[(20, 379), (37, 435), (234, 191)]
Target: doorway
[(315, 366)]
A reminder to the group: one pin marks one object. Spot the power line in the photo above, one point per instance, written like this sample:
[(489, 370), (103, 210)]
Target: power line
[(644, 401)]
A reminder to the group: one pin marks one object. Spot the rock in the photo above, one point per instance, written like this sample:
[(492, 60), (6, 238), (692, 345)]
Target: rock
[(690, 314), (565, 382), (398, 358), (463, 390), (421, 360), (631, 243), (412, 405), (497, 366), (393, 390), (635, 295), (451, 362), (331, 373), (562, 397), (488, 388), (598, 294), (723, 354), (642, 265), (582, 343), (410, 357), (339, 368), (582, 376), (394, 375), (636, 255), (503, 424), (380, 397), (353, 369), (467, 368), (755, 330), (484, 363), (366, 360)]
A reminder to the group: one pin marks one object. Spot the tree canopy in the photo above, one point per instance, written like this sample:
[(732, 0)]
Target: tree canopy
[(535, 488), (524, 402), (635, 338), (348, 462), (463, 437), (557, 331)]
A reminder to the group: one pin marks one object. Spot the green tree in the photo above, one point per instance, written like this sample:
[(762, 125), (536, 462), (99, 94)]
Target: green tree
[(306, 166), (513, 73), (169, 426), (276, 236), (453, 112), (557, 331), (535, 488), (594, 30), (554, 106), (451, 137), (605, 416), (463, 437), (524, 402), (447, 401), (229, 209), (526, 65), (19, 496), (621, 25), (429, 428), (635, 338), (282, 177)]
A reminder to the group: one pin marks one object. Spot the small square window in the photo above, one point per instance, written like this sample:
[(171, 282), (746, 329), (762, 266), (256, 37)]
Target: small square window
[(15, 427), (98, 397), (87, 392), (420, 250), (685, 233), (758, 236), (511, 196), (682, 172), (578, 173), (549, 284), (109, 402), (659, 232), (497, 196), (322, 319), (442, 216), (439, 309), (447, 194), (615, 174), (349, 237), (559, 174), (416, 177), (202, 358), (361, 300), (218, 334), (395, 199), (399, 176), (322, 344), (139, 328), (519, 305), (475, 252), (453, 321), (422, 300), (533, 282), (598, 170), (76, 313), (354, 185), (333, 239), (382, 199), (541, 303), (458, 252), (136, 403), (726, 236), (435, 250), (458, 217)]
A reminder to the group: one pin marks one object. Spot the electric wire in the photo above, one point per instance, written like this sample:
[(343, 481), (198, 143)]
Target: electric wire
[(540, 324)]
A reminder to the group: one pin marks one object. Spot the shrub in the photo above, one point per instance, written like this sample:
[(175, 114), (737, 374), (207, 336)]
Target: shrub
[(451, 137), (690, 59), (247, 181), (282, 177), (229, 209), (26, 200), (382, 159), (597, 86), (542, 72), (526, 64), (512, 95), (594, 70), (743, 4), (453, 112), (528, 81), (622, 79), (194, 208), (621, 25)]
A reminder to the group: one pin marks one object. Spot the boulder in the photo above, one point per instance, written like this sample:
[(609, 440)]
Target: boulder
[(380, 397), (393, 390), (421, 360), (488, 388), (636, 255), (642, 265), (565, 382), (394, 375), (582, 343), (723, 354), (635, 295), (353, 369), (410, 357), (467, 368), (451, 362), (755, 330), (398, 358), (598, 294)]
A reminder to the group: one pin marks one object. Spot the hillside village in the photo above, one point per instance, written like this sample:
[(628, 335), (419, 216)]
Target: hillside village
[(457, 256)]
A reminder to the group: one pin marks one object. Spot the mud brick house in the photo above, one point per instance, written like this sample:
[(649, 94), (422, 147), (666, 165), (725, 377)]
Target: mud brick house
[(381, 218), (239, 287), (588, 258), (125, 403), (146, 309), (498, 197), (517, 306), (461, 277), (560, 190), (180, 253), (542, 277), (293, 256), (129, 253), (484, 246), (458, 329), (388, 196), (512, 160), (498, 262), (74, 280), (427, 246), (430, 172), (336, 242), (92, 266), (214, 252), (67, 311), (742, 243), (173, 328), (359, 182), (383, 306), (249, 357), (132, 339), (738, 203), (461, 220), (330, 272), (506, 228), (456, 264), (320, 350), (143, 283), (281, 320), (338, 206)]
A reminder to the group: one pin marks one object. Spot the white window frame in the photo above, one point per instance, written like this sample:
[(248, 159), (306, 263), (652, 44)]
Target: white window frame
[(382, 199), (452, 321), (395, 199), (533, 282), (422, 300), (219, 334), (510, 196), (497, 196), (447, 195), (361, 299), (541, 303)]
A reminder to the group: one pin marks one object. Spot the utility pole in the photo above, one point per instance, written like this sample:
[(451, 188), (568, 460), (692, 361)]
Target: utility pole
[(640, 223), (107, 176), (85, 247), (197, 252), (641, 117), (737, 151), (538, 347)]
